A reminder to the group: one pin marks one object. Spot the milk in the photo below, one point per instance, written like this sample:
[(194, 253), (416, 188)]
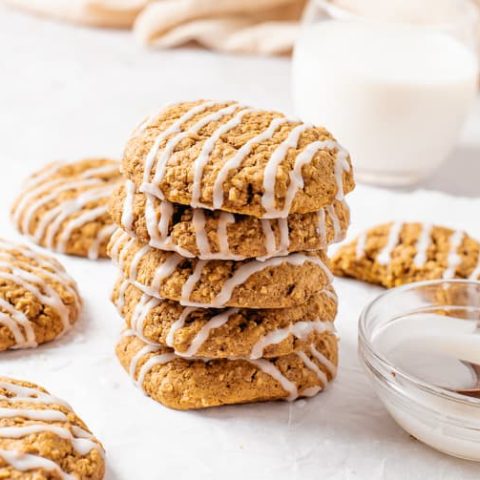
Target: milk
[(395, 95)]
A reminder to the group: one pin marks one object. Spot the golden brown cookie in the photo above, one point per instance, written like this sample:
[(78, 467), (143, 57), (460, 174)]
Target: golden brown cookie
[(41, 438), (185, 384), (225, 156), (279, 282), (207, 234), (221, 333), (64, 206), (397, 253), (38, 300)]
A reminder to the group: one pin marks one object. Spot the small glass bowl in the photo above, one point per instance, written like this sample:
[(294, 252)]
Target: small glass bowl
[(441, 418)]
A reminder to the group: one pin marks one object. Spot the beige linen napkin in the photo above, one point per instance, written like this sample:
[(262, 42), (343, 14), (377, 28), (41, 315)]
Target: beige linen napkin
[(249, 26)]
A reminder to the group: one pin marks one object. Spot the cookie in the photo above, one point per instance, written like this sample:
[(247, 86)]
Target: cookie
[(41, 437), (225, 156), (398, 253), (207, 234), (64, 206), (185, 384), (38, 300), (279, 282), (222, 333)]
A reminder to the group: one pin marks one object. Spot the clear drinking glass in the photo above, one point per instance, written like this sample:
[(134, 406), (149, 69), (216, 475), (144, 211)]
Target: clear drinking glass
[(393, 81)]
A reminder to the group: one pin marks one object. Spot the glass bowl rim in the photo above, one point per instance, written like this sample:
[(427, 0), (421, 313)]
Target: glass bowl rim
[(364, 342)]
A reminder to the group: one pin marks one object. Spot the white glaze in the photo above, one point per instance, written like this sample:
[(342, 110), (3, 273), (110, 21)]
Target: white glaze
[(102, 238), (24, 462), (383, 257), (311, 365), (270, 369), (29, 394), (271, 168), (203, 157), (40, 193), (179, 323), (360, 245), (337, 229), (453, 258), (300, 330), (215, 322), (127, 210), (172, 129), (81, 445), (153, 187), (239, 157), (423, 242)]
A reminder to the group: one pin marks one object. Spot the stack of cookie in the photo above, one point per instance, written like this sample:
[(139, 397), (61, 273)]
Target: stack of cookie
[(224, 219)]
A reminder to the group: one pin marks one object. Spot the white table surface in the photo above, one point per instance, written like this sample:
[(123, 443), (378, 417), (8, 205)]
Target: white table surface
[(66, 92)]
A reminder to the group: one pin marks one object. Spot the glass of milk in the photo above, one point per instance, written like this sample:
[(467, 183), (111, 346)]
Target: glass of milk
[(392, 80)]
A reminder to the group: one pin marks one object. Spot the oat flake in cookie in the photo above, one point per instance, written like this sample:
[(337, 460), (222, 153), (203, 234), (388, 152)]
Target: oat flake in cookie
[(226, 156), (41, 438), (63, 207), (39, 301)]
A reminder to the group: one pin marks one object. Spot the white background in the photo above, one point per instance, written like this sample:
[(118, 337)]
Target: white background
[(66, 92)]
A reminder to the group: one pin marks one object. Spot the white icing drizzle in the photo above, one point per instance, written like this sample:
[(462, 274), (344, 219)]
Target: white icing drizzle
[(271, 168), (321, 226), (215, 322), (383, 258), (300, 330), (120, 303), (203, 157), (67, 215), (81, 445), (453, 258), (270, 243), (311, 365), (127, 211), (179, 323), (192, 280), (198, 221), (173, 128), (138, 356), (23, 462), (224, 220), (52, 221), (361, 245), (30, 282), (476, 272), (323, 360), (341, 166), (337, 229), (152, 187), (142, 309), (45, 415), (296, 177), (136, 260), (165, 270), (422, 245), (13, 320), (242, 274), (239, 157), (102, 237), (29, 394), (150, 363), (270, 369)]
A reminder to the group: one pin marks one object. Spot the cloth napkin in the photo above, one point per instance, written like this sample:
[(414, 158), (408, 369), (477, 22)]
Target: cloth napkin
[(246, 26)]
